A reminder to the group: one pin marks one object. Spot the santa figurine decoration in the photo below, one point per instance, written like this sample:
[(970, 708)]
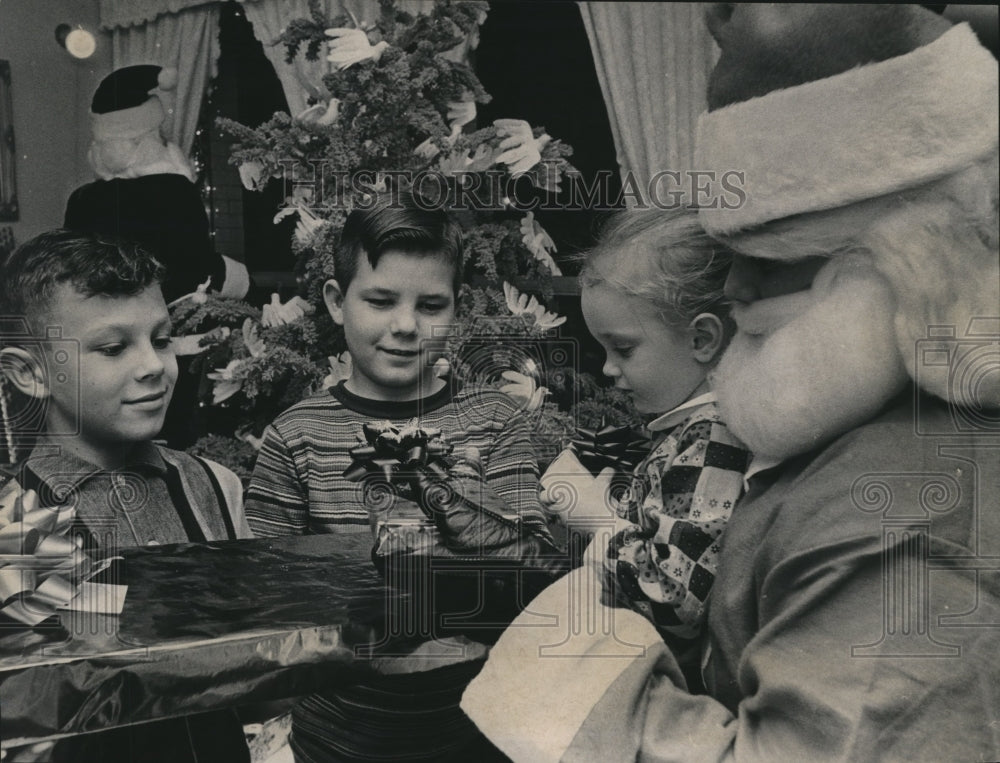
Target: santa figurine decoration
[(146, 191)]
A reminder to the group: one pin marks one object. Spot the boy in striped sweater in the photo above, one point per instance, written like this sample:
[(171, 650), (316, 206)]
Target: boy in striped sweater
[(398, 271)]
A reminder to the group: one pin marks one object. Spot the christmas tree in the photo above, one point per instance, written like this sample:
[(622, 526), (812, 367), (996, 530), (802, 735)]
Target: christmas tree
[(400, 113)]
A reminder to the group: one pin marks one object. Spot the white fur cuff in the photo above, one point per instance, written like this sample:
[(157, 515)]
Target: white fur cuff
[(866, 132), (127, 123), (237, 281)]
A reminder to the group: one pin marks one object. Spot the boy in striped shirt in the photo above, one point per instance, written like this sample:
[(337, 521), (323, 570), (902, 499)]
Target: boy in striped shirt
[(398, 272)]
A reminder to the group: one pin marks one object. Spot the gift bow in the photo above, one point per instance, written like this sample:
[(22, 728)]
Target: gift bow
[(411, 460), (38, 563), (620, 448), (409, 457)]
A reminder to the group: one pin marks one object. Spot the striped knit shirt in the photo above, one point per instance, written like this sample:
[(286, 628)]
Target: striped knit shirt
[(298, 485)]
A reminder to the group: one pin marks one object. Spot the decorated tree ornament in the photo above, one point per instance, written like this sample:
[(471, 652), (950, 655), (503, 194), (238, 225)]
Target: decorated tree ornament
[(351, 46), (523, 389), (539, 242), (323, 114), (521, 150)]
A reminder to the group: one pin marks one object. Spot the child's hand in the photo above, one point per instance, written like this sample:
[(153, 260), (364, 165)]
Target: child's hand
[(570, 491)]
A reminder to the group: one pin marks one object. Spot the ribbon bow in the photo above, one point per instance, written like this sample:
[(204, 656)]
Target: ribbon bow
[(39, 565), (620, 448), (408, 458)]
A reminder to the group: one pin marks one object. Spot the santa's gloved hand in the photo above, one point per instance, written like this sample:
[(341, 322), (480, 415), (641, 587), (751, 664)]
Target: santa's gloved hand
[(572, 493), (351, 46)]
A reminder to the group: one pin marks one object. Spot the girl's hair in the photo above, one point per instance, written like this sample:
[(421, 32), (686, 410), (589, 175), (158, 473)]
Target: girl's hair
[(664, 257)]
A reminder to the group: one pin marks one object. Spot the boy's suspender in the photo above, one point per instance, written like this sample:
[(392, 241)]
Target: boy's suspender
[(178, 497), (220, 498)]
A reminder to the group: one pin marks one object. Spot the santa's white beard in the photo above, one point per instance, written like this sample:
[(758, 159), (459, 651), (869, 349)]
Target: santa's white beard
[(147, 155), (805, 368)]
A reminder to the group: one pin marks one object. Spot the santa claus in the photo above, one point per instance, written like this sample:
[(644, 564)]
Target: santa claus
[(145, 190), (856, 610)]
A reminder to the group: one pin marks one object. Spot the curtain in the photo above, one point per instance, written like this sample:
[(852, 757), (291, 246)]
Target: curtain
[(188, 41), (123, 13), (302, 79), (653, 62)]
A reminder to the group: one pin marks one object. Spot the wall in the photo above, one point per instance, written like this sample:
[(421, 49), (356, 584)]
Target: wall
[(51, 100)]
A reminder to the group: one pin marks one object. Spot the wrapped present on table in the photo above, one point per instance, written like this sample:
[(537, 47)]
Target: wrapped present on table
[(443, 535), (205, 626), (421, 503), (42, 569)]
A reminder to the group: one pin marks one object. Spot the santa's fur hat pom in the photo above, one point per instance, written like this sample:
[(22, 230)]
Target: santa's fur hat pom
[(167, 79)]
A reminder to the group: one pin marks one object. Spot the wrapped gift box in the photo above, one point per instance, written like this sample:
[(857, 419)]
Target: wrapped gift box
[(221, 624)]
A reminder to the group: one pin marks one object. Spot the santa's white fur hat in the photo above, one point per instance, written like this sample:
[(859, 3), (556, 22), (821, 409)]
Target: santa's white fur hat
[(886, 142), (870, 131)]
